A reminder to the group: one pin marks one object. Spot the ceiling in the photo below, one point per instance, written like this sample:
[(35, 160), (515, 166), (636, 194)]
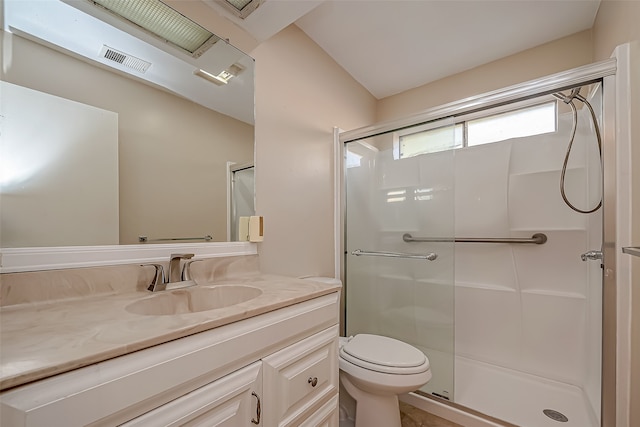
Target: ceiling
[(390, 46)]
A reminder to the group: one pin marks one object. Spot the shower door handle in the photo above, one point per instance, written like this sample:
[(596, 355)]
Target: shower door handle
[(591, 256)]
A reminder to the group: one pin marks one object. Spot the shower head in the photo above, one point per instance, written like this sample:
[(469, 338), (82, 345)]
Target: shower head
[(575, 93)]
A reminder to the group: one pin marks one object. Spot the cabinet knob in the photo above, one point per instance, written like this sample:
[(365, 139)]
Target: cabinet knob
[(313, 381)]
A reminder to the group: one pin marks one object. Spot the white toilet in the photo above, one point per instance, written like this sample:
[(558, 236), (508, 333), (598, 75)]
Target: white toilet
[(374, 370)]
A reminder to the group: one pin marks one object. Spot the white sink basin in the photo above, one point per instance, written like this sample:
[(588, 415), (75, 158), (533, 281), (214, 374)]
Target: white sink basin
[(193, 300)]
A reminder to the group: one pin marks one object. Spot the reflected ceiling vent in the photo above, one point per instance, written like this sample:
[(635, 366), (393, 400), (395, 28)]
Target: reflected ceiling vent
[(241, 8), (124, 59)]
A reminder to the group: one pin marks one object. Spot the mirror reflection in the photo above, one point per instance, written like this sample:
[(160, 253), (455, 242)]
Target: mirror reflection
[(95, 152)]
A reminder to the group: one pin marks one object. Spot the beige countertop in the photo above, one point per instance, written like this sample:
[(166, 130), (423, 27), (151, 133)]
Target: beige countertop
[(44, 338)]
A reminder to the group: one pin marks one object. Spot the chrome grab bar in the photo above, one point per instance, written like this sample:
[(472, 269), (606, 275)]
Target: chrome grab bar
[(360, 252), (538, 239), (144, 239)]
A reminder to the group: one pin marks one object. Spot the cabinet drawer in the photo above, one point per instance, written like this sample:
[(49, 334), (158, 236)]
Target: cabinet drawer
[(229, 401), (327, 416), (300, 378)]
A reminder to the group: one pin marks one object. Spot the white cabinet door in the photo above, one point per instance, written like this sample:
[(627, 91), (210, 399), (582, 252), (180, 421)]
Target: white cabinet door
[(300, 379), (231, 401)]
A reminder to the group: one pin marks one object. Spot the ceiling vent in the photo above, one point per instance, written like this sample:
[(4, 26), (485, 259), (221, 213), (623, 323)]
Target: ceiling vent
[(124, 59)]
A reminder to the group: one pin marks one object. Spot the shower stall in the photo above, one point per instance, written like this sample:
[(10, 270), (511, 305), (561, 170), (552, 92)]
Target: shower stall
[(473, 232)]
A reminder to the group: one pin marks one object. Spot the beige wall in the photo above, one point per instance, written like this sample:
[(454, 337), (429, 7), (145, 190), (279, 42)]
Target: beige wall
[(301, 94), (634, 395), (172, 152), (549, 58), (62, 159), (617, 22)]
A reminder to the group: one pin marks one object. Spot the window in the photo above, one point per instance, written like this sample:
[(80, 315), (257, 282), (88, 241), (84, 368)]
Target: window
[(528, 121), (352, 160), (534, 120), (430, 141)]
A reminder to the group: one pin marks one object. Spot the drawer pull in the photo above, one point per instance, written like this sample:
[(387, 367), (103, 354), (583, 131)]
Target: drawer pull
[(258, 410), (313, 381)]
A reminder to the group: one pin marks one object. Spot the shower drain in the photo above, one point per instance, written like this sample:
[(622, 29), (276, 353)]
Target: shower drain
[(555, 415)]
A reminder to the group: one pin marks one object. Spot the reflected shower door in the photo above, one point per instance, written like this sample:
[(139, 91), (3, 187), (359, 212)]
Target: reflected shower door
[(242, 197), (392, 189)]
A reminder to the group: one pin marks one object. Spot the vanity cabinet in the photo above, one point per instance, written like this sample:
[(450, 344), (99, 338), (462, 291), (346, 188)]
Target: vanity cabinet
[(274, 369), (299, 379), (291, 387)]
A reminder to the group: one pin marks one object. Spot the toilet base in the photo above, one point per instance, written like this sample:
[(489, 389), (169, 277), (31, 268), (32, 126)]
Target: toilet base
[(373, 409)]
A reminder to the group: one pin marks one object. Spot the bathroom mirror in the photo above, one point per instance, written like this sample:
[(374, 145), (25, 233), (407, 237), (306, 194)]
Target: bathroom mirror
[(174, 133)]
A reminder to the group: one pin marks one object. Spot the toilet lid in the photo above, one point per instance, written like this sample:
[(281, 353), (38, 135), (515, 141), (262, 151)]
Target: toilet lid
[(383, 351)]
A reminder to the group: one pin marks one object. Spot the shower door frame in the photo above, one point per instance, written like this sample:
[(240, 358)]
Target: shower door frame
[(604, 71)]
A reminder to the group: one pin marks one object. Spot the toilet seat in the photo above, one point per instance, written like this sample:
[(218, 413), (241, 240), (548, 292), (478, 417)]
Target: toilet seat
[(384, 354)]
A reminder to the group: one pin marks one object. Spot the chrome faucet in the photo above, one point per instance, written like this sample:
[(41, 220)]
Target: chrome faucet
[(175, 274)]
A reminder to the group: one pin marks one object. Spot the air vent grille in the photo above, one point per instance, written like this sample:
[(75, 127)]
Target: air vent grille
[(124, 59)]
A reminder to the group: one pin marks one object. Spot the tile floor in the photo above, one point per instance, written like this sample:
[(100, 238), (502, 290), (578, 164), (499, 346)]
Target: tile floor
[(414, 417)]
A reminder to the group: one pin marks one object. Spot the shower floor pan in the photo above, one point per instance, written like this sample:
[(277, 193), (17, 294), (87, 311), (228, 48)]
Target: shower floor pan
[(520, 398)]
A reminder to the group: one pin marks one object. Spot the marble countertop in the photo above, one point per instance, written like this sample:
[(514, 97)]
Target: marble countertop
[(45, 338)]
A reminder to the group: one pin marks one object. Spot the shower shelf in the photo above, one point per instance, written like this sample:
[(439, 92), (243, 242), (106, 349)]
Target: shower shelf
[(635, 251)]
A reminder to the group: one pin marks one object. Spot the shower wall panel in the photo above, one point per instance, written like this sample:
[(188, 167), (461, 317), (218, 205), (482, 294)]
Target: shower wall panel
[(533, 309)]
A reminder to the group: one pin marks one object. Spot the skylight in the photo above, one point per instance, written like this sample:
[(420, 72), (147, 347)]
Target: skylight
[(157, 18), (241, 8)]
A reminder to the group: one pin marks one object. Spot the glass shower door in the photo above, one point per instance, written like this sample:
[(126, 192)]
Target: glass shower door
[(241, 198), (396, 186)]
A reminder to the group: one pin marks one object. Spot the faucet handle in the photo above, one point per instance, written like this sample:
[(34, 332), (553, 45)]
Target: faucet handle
[(186, 269), (158, 278)]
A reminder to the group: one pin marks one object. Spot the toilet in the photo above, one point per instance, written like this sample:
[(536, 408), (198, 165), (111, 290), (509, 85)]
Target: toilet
[(374, 370)]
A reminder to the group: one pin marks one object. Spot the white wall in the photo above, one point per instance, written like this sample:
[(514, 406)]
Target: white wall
[(301, 94)]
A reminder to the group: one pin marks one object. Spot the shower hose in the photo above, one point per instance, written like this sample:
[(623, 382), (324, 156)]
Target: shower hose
[(568, 99)]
